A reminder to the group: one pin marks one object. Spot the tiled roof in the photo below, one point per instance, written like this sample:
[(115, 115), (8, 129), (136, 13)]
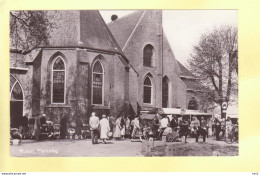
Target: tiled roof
[(123, 27), (193, 85), (83, 29), (184, 72), (94, 32)]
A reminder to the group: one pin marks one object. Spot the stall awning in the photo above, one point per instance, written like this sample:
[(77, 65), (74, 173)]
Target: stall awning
[(178, 111), (147, 116)]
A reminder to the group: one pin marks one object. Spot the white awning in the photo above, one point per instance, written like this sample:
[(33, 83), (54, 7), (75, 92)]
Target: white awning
[(178, 111)]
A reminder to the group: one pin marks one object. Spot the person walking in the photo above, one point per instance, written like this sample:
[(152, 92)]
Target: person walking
[(195, 123), (173, 122), (136, 129), (217, 128), (94, 127), (24, 124), (204, 125), (164, 122), (31, 122), (184, 129), (117, 133), (127, 127), (132, 126), (36, 128), (155, 127), (123, 127), (63, 127), (111, 121), (228, 126), (104, 128), (79, 127)]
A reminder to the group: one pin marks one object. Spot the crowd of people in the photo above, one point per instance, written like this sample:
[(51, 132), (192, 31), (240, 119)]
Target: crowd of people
[(122, 127)]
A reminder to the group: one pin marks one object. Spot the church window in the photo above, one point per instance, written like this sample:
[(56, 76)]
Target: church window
[(148, 55), (97, 83), (58, 81), (147, 90)]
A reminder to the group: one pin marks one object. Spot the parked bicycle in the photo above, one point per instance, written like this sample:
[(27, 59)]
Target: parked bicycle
[(232, 136)]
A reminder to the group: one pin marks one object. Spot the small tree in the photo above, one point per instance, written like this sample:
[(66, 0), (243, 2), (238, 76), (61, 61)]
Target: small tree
[(29, 29), (215, 62)]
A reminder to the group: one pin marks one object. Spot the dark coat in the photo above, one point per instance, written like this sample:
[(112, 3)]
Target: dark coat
[(63, 127), (173, 124)]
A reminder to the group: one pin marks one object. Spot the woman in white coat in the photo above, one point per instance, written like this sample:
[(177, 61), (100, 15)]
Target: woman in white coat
[(104, 128)]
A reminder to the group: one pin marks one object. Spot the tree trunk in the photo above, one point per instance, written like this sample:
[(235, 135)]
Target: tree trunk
[(223, 115)]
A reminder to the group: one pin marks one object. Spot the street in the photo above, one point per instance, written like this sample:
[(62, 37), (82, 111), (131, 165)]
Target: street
[(122, 148)]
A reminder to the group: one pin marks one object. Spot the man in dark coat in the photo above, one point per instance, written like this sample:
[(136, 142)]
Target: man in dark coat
[(184, 129), (173, 122), (201, 132), (79, 127), (63, 127), (25, 127), (155, 127), (217, 128)]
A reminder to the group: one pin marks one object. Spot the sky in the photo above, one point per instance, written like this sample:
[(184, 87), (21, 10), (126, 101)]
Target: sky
[(183, 28)]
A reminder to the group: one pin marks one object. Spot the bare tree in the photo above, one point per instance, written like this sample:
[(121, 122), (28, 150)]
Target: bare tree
[(215, 62), (29, 29)]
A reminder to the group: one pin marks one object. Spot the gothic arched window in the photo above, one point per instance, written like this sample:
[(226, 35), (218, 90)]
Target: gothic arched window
[(16, 92), (58, 80), (148, 55), (193, 104), (97, 83), (147, 90), (16, 102)]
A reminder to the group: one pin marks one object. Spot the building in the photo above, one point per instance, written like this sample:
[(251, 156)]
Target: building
[(162, 81), (124, 67)]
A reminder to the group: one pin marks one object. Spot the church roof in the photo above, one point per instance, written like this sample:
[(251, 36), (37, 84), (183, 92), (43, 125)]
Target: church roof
[(189, 79), (94, 32), (193, 85), (184, 72), (82, 29), (123, 27)]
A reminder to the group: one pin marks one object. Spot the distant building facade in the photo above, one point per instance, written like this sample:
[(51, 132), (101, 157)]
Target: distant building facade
[(124, 67)]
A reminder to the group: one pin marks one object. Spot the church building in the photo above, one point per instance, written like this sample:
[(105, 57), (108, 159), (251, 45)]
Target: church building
[(126, 66)]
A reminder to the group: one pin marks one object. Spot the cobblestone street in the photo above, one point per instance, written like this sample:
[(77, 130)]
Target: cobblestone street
[(84, 148)]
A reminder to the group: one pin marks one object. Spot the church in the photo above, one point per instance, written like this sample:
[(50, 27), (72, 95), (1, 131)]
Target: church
[(123, 67)]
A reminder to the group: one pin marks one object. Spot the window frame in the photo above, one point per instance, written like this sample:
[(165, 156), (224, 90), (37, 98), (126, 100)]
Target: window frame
[(151, 58), (65, 79), (11, 90), (151, 97), (103, 78)]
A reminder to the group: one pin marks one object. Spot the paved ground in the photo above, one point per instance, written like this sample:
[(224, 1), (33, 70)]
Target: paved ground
[(84, 148)]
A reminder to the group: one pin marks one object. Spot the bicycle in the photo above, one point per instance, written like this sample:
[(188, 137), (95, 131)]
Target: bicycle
[(232, 135)]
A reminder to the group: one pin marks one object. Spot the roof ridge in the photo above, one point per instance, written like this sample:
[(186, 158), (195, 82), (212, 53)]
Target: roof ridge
[(127, 16), (111, 36), (134, 29), (183, 68)]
